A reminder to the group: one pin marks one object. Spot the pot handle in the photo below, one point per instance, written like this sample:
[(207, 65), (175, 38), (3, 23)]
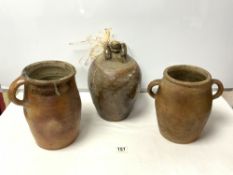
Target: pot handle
[(13, 89), (151, 85), (220, 88)]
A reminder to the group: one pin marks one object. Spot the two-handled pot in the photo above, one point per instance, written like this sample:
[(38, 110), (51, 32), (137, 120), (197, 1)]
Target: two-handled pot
[(183, 101)]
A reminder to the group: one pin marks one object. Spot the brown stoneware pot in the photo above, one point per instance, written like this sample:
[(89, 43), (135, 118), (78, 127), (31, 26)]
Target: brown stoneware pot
[(183, 101), (51, 102), (114, 81)]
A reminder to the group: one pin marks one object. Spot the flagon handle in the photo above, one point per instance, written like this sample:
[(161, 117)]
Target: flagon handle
[(13, 89), (117, 48)]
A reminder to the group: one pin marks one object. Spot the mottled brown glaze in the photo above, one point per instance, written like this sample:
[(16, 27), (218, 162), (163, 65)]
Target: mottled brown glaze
[(51, 102), (183, 101), (114, 81)]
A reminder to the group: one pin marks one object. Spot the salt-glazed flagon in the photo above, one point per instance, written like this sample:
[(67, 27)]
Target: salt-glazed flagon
[(51, 102), (183, 101), (114, 81)]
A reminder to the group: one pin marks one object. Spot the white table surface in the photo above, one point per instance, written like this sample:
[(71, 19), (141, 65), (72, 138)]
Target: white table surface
[(96, 149)]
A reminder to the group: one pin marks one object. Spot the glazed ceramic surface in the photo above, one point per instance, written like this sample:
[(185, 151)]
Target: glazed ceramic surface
[(114, 81), (51, 102)]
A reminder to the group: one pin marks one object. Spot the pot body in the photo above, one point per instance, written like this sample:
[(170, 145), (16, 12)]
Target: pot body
[(51, 103), (114, 85), (183, 104)]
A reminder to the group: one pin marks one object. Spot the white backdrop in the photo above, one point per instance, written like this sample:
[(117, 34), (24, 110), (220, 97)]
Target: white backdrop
[(158, 32)]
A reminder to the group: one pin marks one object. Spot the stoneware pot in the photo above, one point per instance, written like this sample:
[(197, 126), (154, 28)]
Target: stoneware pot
[(51, 102), (183, 101), (114, 81)]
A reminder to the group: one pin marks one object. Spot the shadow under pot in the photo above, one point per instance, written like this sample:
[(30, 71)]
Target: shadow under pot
[(114, 82), (183, 101), (51, 102)]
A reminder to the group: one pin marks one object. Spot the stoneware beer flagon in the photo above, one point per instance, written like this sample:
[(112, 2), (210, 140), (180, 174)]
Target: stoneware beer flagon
[(183, 101), (51, 102), (114, 81)]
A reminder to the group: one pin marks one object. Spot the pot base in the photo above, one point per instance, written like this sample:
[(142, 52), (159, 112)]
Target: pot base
[(179, 141), (49, 147)]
